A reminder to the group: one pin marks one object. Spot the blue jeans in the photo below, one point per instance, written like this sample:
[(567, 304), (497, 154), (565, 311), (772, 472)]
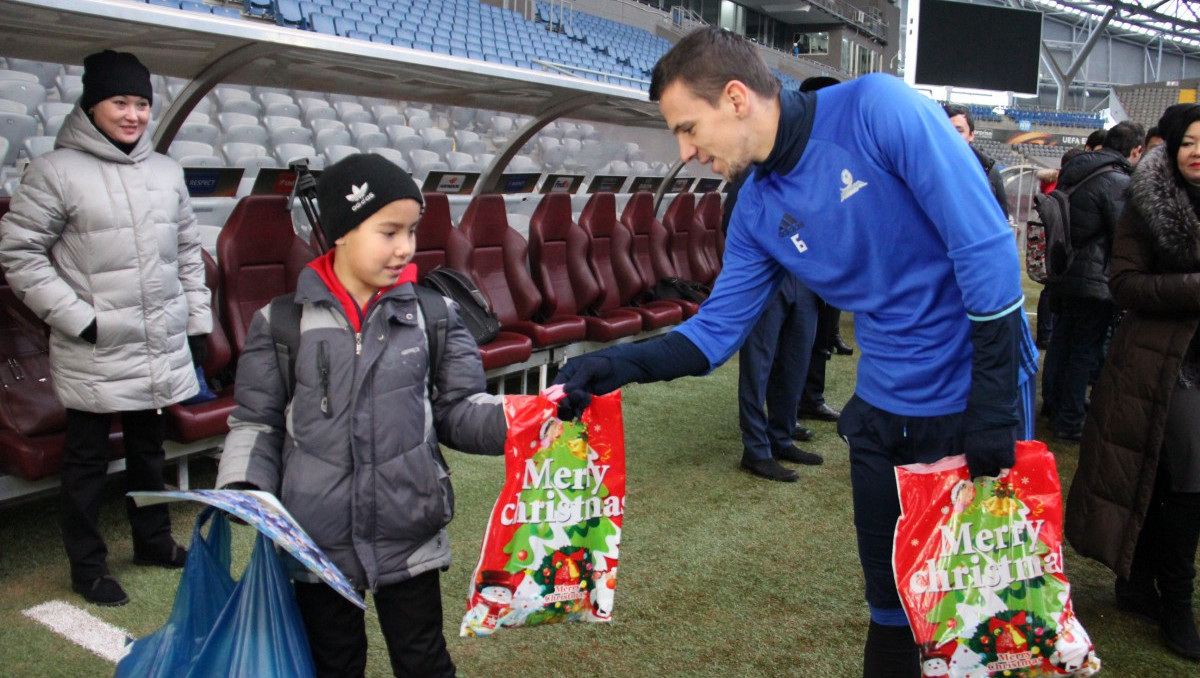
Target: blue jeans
[(773, 364), (1076, 352)]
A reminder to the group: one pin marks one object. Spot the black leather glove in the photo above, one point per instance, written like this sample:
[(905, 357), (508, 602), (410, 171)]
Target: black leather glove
[(198, 345), (990, 450), (89, 333)]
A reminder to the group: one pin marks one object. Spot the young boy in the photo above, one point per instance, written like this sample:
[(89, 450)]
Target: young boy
[(353, 454)]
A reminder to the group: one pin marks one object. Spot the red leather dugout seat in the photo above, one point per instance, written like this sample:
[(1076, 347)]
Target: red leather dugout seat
[(650, 245), (498, 263), (188, 423), (612, 262), (685, 242), (436, 239), (712, 237), (260, 257), (559, 259)]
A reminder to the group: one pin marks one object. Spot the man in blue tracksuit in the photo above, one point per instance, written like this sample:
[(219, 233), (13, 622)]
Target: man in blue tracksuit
[(865, 193)]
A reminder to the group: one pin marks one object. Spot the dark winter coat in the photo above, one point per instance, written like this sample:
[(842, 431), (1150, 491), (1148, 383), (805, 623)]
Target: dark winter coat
[(1156, 276), (354, 455), (1096, 207), (992, 170)]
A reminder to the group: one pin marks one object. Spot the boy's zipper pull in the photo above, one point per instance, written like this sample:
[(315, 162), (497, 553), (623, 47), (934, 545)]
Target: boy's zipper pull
[(323, 372), (358, 343)]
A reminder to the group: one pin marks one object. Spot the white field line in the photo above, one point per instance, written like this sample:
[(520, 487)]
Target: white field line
[(81, 628)]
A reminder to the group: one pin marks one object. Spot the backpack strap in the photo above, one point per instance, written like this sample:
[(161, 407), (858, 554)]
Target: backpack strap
[(437, 318), (284, 316), (1093, 175), (285, 332)]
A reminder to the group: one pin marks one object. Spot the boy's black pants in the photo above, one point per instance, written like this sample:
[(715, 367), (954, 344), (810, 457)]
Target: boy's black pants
[(410, 615)]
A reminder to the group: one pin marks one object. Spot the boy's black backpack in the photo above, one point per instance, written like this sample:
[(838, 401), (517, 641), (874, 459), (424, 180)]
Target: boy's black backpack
[(1053, 228), (474, 308), (285, 331)]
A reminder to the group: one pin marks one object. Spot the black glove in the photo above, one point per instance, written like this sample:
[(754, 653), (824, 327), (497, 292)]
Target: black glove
[(241, 485), (990, 450), (198, 345), (600, 372), (89, 333)]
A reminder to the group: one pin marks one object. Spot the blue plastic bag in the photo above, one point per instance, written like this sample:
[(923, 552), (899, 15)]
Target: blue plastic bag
[(204, 590), (222, 629), (260, 633)]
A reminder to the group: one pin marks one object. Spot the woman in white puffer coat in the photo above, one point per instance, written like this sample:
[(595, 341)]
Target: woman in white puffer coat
[(101, 244)]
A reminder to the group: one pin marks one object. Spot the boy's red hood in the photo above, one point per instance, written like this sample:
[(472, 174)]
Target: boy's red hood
[(323, 265)]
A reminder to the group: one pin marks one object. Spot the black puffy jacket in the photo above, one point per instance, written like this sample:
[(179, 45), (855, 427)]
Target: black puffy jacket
[(1096, 207)]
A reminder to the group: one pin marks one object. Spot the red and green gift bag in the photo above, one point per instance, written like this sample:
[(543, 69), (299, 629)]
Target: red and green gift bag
[(979, 567), (551, 548)]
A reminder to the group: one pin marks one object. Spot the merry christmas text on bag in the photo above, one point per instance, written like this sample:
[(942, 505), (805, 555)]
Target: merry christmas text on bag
[(979, 568), (552, 545)]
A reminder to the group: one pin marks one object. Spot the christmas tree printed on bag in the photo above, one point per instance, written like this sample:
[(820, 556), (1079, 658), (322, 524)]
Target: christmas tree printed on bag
[(979, 568), (551, 550)]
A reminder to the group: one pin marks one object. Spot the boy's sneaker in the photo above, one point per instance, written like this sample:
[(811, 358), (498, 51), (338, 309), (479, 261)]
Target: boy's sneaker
[(103, 591), (175, 558)]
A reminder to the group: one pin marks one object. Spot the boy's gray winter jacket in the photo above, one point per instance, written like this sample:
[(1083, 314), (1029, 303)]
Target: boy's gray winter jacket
[(354, 456), (97, 235)]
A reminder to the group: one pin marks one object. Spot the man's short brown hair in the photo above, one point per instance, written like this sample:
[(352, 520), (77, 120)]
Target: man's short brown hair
[(707, 59)]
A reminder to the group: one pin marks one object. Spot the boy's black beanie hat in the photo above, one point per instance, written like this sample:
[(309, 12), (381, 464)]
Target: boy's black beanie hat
[(357, 186)]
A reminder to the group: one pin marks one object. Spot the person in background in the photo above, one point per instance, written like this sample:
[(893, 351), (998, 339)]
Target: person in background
[(859, 213), (1134, 504), (1095, 140), (1153, 138), (352, 449), (1045, 306), (101, 244), (771, 371), (1082, 303), (964, 123)]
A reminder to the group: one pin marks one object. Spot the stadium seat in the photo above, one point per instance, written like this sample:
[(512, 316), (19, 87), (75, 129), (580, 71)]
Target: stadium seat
[(35, 146), (391, 154), (180, 149), (236, 152), (650, 245), (15, 127), (559, 259), (49, 109), (498, 263), (189, 423), (331, 137), (709, 216), (200, 161), (437, 238), (231, 119), (31, 94), (246, 134), (423, 162), (336, 152), (290, 135), (289, 153), (437, 141), (260, 258), (201, 132), (283, 110), (684, 243), (44, 71), (612, 258)]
